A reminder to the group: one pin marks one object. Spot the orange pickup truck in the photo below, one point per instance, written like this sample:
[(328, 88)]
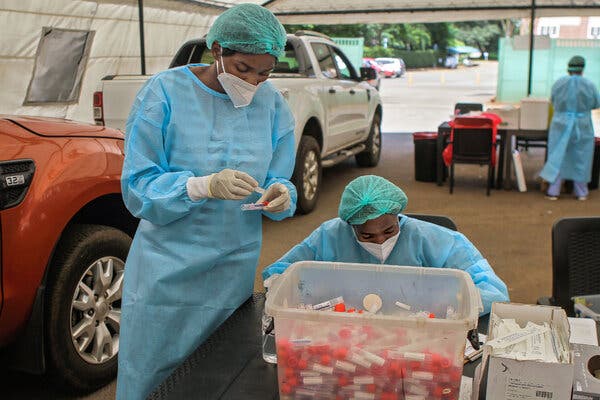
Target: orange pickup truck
[(64, 234)]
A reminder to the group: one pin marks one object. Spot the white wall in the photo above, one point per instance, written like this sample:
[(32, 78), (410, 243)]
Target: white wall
[(115, 48)]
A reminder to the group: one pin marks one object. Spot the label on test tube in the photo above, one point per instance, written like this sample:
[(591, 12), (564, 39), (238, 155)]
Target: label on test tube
[(305, 374), (322, 369), (328, 304), (356, 359), (375, 359), (407, 355), (364, 380), (416, 389), (414, 356), (364, 396), (313, 380), (301, 342), (402, 305), (414, 397), (345, 366), (254, 206), (423, 375)]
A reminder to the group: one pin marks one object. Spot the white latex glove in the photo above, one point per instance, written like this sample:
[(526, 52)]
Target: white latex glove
[(230, 184), (278, 197), (197, 187)]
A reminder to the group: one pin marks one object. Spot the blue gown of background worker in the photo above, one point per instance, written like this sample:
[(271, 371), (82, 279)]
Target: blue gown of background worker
[(571, 134), (419, 243), (192, 263)]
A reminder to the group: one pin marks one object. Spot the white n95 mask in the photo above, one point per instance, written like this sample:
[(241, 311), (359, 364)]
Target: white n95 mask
[(239, 91), (380, 251)]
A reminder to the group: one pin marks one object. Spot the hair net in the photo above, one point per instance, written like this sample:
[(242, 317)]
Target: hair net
[(368, 197), (248, 28), (576, 64)]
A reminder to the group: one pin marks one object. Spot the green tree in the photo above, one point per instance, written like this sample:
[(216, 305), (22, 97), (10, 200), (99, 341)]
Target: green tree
[(415, 36), (481, 34)]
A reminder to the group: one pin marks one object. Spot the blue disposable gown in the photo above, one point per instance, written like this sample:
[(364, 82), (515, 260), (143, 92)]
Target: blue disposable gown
[(420, 244), (191, 263), (571, 134)]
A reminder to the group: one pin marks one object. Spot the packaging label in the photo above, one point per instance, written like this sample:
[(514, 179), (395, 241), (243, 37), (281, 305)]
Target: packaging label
[(517, 389)]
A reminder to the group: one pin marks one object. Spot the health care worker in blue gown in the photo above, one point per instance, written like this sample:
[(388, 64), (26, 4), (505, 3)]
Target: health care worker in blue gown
[(371, 229), (200, 140), (571, 134)]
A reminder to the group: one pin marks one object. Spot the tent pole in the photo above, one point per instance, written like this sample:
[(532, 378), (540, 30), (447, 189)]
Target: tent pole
[(531, 36), (142, 47)]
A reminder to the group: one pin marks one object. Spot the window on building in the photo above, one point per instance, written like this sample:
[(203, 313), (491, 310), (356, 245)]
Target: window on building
[(594, 28), (59, 66), (550, 30)]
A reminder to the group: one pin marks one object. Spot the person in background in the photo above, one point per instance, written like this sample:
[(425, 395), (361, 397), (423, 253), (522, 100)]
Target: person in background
[(200, 140), (571, 134), (371, 229)]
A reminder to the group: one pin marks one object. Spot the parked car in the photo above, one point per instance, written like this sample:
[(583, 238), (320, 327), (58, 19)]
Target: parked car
[(392, 67), (337, 113), (451, 61), (65, 237), (371, 63)]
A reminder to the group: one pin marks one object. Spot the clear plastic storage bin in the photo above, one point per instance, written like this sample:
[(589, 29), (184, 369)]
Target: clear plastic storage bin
[(587, 306), (388, 355)]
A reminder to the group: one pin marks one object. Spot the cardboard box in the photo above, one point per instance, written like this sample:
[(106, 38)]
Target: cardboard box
[(586, 360), (535, 114), (509, 379), (510, 115)]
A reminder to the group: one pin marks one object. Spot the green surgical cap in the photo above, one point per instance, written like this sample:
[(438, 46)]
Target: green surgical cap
[(576, 64), (368, 197), (248, 28)]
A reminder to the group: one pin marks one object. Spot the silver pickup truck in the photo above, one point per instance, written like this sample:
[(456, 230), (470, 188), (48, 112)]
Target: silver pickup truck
[(338, 114)]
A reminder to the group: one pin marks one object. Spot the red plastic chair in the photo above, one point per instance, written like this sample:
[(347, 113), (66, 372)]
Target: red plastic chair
[(473, 141)]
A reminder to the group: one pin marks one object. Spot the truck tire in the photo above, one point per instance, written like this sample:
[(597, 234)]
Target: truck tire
[(370, 156), (83, 306), (307, 174)]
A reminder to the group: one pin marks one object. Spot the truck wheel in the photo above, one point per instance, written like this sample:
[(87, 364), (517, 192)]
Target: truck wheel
[(83, 299), (370, 156), (307, 174)]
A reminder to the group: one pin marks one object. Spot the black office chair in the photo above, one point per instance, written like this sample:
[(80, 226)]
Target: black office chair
[(464, 108), (575, 261), (473, 143), (440, 220)]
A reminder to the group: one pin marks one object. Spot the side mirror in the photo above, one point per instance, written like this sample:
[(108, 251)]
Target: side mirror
[(367, 73)]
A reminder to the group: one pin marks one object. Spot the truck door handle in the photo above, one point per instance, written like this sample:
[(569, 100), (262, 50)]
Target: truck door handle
[(352, 91), (331, 90)]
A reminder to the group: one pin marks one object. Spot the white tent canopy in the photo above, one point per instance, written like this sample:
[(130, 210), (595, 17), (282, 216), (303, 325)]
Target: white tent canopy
[(400, 11), (107, 37)]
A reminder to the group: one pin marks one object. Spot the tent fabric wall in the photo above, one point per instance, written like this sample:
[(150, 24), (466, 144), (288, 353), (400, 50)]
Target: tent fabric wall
[(550, 58), (115, 48)]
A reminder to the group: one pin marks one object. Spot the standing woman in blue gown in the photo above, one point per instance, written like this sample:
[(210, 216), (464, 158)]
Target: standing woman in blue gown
[(200, 140), (571, 134)]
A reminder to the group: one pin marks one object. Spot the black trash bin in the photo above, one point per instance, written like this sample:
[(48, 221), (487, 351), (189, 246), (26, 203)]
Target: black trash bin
[(595, 165), (425, 156)]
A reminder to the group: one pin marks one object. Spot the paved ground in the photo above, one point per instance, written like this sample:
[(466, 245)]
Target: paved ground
[(511, 229)]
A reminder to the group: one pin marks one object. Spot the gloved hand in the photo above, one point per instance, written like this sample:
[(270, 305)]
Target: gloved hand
[(278, 197), (230, 184), (197, 187)]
